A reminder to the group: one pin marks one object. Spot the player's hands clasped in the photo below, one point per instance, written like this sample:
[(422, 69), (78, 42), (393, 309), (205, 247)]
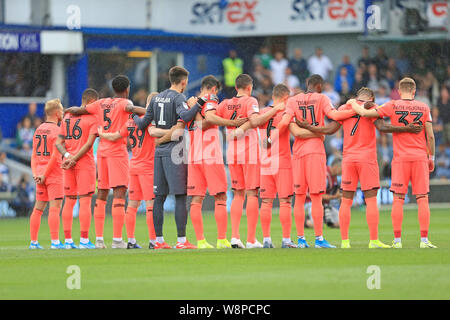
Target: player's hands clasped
[(239, 121), (414, 127)]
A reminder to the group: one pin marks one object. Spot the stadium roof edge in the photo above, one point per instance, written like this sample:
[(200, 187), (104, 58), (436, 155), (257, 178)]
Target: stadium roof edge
[(93, 31), (436, 36)]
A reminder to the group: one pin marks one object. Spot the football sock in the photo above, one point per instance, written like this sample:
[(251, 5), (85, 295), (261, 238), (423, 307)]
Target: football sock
[(67, 217), (286, 219), (118, 217), (372, 217), (266, 218), (132, 240), (286, 240), (317, 213), (220, 213), (397, 216), (299, 214), (85, 216), (344, 217), (158, 215), (130, 221), (84, 240), (99, 218), (150, 225), (197, 220), (181, 239), (319, 238), (53, 223), (35, 223), (252, 218), (181, 214), (160, 239), (424, 216), (267, 239), (237, 206)]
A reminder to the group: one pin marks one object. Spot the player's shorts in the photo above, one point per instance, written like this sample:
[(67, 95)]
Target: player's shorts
[(202, 176), (112, 172), (415, 171), (52, 190), (141, 187), (79, 182), (245, 176), (281, 182), (310, 173), (169, 178), (364, 172)]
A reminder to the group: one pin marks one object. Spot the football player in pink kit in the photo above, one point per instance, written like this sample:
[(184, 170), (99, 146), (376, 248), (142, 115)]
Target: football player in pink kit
[(309, 159), (413, 156), (244, 157), (48, 175), (112, 159), (75, 141)]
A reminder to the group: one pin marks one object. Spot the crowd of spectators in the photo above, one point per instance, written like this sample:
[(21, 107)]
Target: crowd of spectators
[(24, 75), (377, 72)]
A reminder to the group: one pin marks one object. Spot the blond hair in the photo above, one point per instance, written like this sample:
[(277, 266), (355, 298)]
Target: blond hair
[(366, 91), (407, 85), (51, 106)]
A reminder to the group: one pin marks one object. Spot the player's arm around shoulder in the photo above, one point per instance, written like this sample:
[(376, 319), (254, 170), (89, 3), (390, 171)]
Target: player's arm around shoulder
[(302, 133), (362, 111)]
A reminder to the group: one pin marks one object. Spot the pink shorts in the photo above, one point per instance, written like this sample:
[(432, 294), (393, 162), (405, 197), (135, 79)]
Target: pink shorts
[(415, 171), (49, 191), (244, 176), (112, 172), (281, 183), (141, 187), (364, 172), (202, 176), (310, 173), (78, 182)]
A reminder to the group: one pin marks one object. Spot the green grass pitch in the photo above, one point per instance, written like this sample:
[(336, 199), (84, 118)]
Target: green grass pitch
[(410, 273)]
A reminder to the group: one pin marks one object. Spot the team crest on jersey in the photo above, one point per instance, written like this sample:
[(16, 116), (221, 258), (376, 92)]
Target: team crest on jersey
[(255, 108)]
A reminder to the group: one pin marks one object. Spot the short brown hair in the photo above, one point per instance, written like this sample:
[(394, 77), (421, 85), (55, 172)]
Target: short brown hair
[(365, 91), (177, 74), (51, 106), (280, 90), (243, 81), (407, 85), (88, 95)]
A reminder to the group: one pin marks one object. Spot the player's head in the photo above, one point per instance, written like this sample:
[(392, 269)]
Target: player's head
[(315, 83), (53, 108), (89, 95), (178, 76), (336, 166), (407, 86), (244, 83), (280, 93), (150, 97), (121, 85), (210, 84), (365, 94)]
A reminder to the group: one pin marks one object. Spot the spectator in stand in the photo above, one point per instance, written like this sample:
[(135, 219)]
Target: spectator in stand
[(381, 96), (380, 60), (291, 81), (320, 64), (32, 113), (385, 153), (258, 75), (365, 59), (329, 91), (346, 93), (420, 69), (299, 66), (348, 65), (4, 170), (344, 81), (422, 95), (140, 97), (402, 63), (373, 79), (278, 68), (232, 67), (440, 69), (24, 136), (264, 57), (23, 203), (360, 80), (447, 80), (393, 69), (438, 126), (443, 104), (389, 79), (442, 163), (395, 94), (4, 185)]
